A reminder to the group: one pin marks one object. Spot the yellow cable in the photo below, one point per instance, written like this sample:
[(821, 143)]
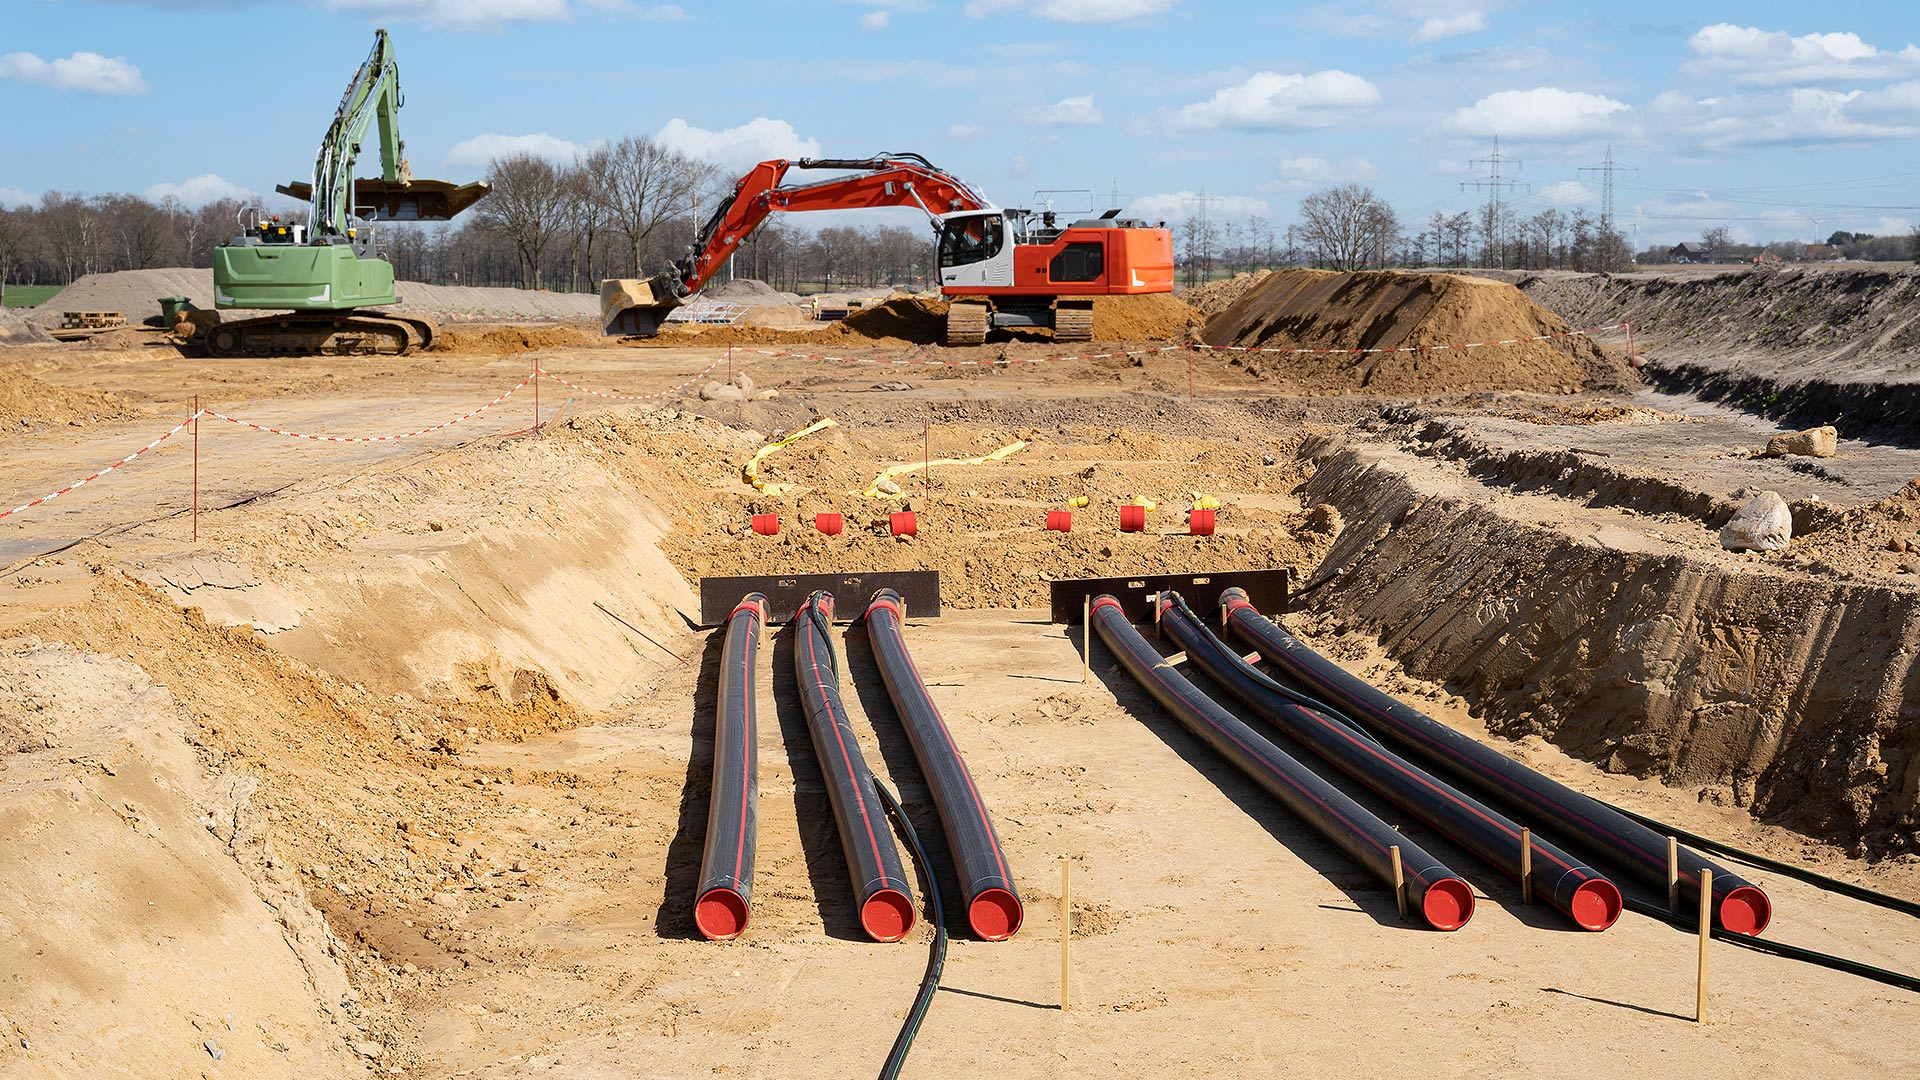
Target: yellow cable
[(752, 470), (873, 490)]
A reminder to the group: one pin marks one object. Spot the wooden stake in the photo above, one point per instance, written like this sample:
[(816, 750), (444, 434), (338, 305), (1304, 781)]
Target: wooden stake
[(1526, 866), (1399, 882), (536, 395), (196, 468), (1673, 876), (1189, 372), (1086, 638), (1706, 934), (1066, 927), (729, 365), (1630, 362)]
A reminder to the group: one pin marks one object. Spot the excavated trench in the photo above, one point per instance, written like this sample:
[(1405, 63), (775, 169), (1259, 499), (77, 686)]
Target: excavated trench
[(1786, 692)]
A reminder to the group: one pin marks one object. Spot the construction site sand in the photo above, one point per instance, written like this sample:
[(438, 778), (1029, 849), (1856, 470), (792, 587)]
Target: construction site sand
[(469, 802), (27, 403), (911, 320), (1318, 309)]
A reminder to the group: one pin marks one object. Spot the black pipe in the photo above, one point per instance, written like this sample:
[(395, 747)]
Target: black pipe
[(1444, 900), (880, 888), (936, 951), (986, 882), (1740, 906), (724, 901), (1586, 896)]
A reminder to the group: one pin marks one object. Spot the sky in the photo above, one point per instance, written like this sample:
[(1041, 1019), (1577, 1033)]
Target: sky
[(1775, 120)]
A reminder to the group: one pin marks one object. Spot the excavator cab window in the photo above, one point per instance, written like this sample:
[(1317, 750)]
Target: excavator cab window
[(969, 240)]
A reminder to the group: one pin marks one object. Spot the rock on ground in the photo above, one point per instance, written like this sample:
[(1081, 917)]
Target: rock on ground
[(1821, 441), (1764, 524)]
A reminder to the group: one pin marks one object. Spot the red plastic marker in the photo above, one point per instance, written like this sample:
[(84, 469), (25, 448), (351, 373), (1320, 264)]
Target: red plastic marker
[(831, 524), (1133, 519), (766, 524), (903, 523), (1059, 521), (1200, 522)]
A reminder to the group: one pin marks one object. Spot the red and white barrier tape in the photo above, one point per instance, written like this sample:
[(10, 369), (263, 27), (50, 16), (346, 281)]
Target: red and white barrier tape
[(90, 479), (1411, 348), (691, 379), (516, 388), (1002, 361)]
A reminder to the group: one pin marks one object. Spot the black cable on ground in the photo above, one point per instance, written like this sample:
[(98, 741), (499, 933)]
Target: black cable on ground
[(1812, 877), (1779, 948), (936, 958)]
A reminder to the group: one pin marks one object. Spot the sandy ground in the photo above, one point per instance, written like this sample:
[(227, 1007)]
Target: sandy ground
[(458, 809)]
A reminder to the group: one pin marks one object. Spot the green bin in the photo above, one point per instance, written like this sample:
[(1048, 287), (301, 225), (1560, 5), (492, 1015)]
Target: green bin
[(171, 307)]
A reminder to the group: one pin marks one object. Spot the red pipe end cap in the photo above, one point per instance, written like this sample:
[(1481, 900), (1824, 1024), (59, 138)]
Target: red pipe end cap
[(766, 524), (1448, 904), (903, 523), (1059, 521), (995, 914), (721, 914), (1746, 910), (887, 915), (1200, 523), (831, 524), (1596, 904), (1133, 519)]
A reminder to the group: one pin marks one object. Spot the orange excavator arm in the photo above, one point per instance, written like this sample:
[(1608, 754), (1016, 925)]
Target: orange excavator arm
[(886, 180), (638, 307)]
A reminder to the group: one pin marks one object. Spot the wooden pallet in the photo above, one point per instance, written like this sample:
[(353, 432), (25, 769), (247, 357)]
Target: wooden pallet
[(92, 320)]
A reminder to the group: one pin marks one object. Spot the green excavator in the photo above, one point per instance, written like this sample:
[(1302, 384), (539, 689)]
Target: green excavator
[(322, 277)]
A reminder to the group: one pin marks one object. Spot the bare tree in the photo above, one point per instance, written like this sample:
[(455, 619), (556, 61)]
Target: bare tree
[(1716, 239), (647, 185), (524, 209), (1348, 226)]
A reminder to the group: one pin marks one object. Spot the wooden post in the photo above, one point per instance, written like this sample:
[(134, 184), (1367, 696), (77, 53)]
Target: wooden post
[(1673, 876), (536, 395), (1526, 866), (1630, 343), (729, 365), (1189, 372), (926, 459), (1066, 927), (1706, 933), (196, 468), (1399, 882), (1085, 638)]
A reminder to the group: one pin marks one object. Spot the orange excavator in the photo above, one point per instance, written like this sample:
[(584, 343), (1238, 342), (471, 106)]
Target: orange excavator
[(998, 267)]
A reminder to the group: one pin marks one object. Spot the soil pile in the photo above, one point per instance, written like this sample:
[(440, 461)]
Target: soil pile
[(507, 340), (26, 402), (1317, 309), (745, 291), (912, 319), (1148, 317), (1217, 296)]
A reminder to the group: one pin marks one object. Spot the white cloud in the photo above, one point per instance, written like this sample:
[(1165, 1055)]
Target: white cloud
[(1072, 11), (1758, 57), (1798, 117), (482, 149), (85, 71), (1180, 205), (461, 14), (1441, 27), (1545, 112), (199, 191), (964, 132), (1271, 101), (1566, 193), (1068, 111), (876, 20), (757, 140), (1303, 173), (1019, 166), (14, 198)]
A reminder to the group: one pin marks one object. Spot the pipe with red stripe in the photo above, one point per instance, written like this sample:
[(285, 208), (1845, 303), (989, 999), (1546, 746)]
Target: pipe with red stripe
[(986, 881), (880, 888), (1584, 894), (723, 902), (1442, 898), (1739, 905)]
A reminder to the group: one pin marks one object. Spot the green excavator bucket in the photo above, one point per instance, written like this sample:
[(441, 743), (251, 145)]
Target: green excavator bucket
[(411, 200)]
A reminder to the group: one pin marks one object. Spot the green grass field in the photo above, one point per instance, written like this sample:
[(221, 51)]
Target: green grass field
[(30, 295)]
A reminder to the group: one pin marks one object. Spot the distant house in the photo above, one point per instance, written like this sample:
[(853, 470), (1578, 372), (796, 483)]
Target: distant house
[(1818, 252), (1684, 253)]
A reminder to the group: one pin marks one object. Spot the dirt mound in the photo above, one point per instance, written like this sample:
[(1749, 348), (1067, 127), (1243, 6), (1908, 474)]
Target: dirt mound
[(1318, 309), (1148, 317), (911, 319), (745, 290), (506, 340), (1215, 297), (26, 402), (134, 293)]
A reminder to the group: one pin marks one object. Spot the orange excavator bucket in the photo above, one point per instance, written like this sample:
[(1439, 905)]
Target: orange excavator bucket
[(635, 307)]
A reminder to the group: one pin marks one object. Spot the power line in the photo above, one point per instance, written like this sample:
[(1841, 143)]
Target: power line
[(1607, 169), (1493, 184)]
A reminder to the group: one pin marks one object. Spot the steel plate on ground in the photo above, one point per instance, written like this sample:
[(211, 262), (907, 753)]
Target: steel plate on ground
[(1267, 589), (851, 592)]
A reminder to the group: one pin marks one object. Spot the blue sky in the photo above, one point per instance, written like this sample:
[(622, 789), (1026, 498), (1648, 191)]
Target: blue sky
[(1776, 119)]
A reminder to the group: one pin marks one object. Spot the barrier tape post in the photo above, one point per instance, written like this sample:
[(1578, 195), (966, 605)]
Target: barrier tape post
[(729, 365), (1706, 929), (1526, 866), (1066, 926), (1630, 362), (196, 468), (536, 393), (1189, 372), (926, 457)]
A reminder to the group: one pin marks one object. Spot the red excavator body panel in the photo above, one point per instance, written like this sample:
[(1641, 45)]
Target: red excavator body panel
[(1089, 262)]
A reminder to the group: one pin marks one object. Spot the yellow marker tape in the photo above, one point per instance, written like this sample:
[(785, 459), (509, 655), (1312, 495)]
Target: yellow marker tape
[(1078, 501), (873, 490), (751, 472), (1205, 502), (1141, 500)]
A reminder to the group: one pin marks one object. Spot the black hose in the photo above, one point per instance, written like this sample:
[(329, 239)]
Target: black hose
[(1779, 948), (936, 958)]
